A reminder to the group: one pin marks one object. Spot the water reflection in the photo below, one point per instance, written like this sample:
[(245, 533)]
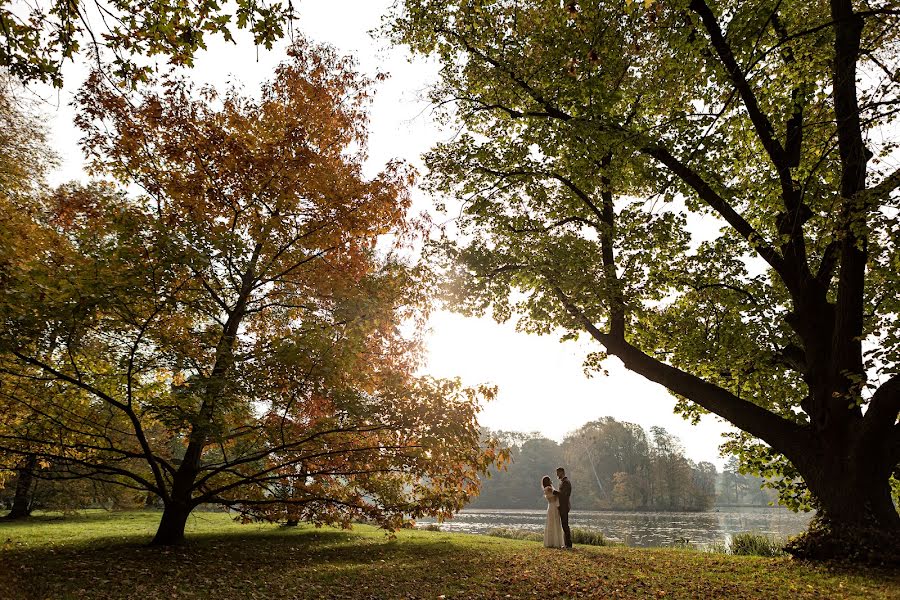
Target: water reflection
[(642, 528)]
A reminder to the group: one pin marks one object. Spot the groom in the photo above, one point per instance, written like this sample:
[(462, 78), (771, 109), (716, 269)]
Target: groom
[(564, 492)]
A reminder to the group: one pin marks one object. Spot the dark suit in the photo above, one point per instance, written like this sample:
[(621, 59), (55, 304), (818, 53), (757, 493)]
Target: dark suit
[(564, 494)]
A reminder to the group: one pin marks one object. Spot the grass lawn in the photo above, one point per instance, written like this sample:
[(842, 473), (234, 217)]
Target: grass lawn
[(104, 555)]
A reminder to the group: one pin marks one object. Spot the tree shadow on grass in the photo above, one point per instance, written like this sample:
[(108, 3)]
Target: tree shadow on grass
[(272, 563), (269, 563), (42, 518)]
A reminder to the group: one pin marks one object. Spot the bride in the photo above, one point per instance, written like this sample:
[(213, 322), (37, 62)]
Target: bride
[(553, 533)]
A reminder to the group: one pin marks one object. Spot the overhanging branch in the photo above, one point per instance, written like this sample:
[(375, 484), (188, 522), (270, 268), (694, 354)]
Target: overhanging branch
[(880, 192), (783, 435)]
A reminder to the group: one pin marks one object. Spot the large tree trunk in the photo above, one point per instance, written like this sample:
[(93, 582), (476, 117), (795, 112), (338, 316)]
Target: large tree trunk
[(181, 501), (21, 507), (856, 516), (845, 458)]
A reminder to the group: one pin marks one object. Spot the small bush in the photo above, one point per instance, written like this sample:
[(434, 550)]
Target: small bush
[(516, 534), (429, 527), (754, 544), (587, 537)]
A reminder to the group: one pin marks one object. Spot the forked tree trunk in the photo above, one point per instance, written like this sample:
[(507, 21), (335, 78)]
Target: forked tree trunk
[(21, 507), (846, 459), (180, 503)]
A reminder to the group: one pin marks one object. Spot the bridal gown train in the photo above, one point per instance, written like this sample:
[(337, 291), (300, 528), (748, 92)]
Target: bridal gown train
[(553, 533)]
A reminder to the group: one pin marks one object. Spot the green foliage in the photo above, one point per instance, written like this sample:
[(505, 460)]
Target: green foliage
[(37, 39), (583, 537), (588, 537), (776, 472), (517, 484), (737, 488), (754, 544), (683, 543), (70, 496), (872, 545), (745, 544), (513, 533), (716, 548)]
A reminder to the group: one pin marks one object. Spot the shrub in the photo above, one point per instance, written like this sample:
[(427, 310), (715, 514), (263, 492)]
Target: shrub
[(516, 534), (429, 527), (754, 544), (585, 537), (715, 548)]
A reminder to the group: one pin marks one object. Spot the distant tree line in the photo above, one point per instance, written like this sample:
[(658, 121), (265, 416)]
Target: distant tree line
[(616, 466), (739, 489)]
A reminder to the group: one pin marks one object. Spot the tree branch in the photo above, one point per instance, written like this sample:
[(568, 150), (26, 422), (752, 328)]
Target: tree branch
[(761, 123), (880, 192), (725, 210), (884, 408), (783, 435)]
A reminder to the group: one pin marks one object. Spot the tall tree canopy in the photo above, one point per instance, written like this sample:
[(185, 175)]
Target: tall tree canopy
[(225, 331), (24, 160), (598, 135), (37, 37)]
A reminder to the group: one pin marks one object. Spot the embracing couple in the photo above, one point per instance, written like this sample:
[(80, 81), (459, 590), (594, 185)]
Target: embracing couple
[(556, 531)]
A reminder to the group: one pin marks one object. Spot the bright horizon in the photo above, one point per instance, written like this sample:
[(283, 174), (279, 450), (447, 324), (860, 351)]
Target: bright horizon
[(541, 382)]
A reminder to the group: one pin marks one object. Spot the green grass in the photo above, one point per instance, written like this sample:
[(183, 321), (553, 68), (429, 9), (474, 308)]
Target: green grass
[(104, 556)]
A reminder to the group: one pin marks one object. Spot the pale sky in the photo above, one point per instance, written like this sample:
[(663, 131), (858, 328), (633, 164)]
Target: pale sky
[(541, 383)]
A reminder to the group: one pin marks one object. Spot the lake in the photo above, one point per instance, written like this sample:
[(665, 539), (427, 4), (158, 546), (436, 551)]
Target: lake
[(643, 528)]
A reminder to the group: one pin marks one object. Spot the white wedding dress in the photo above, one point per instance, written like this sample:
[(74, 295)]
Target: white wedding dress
[(553, 533)]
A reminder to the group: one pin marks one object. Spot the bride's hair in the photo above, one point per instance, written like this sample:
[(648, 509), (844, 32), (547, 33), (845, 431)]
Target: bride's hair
[(545, 481)]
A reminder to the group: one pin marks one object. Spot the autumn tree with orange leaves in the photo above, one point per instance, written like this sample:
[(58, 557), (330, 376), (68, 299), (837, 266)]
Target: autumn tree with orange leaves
[(231, 334)]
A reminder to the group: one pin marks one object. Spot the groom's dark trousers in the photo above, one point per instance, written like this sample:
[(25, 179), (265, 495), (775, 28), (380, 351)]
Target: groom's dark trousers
[(564, 517), (565, 492)]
